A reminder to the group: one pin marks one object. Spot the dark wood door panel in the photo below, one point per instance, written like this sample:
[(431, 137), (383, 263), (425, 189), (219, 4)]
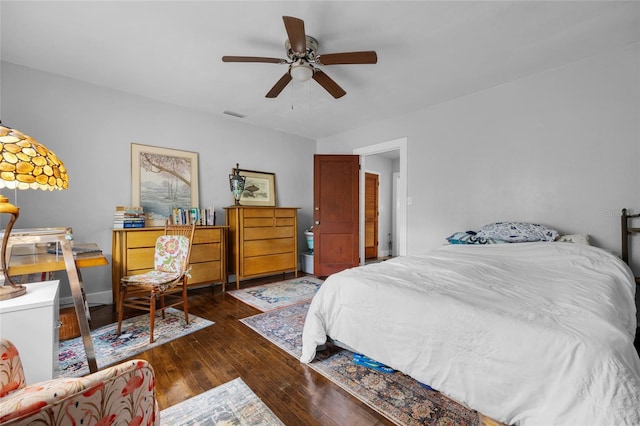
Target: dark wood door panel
[(336, 213)]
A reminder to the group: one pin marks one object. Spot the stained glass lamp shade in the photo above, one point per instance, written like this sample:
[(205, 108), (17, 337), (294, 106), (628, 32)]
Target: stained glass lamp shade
[(24, 164)]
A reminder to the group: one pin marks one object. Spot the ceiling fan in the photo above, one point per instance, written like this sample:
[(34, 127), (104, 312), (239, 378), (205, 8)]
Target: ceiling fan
[(303, 60)]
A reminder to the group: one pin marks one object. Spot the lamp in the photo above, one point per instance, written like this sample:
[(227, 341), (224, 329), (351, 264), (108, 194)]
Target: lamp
[(236, 183), (24, 164), (301, 70)]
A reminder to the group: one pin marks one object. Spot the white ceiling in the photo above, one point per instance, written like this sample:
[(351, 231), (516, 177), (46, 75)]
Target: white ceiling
[(428, 52)]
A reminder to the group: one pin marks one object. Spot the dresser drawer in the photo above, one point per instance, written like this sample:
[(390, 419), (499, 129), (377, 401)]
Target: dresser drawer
[(205, 252), (269, 233), (142, 238), (254, 222), (253, 212), (264, 247), (285, 221), (268, 264), (203, 236), (207, 272), (286, 213), (140, 258)]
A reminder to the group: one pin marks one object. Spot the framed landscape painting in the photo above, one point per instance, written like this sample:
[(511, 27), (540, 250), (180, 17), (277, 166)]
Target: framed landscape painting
[(259, 188), (163, 179)]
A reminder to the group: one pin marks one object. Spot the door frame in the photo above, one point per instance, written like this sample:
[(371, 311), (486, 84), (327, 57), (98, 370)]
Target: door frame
[(394, 214), (392, 145)]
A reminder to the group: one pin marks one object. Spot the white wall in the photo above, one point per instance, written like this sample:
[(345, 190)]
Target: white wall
[(91, 129), (560, 148)]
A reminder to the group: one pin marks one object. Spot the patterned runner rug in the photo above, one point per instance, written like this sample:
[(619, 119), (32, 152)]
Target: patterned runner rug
[(232, 403), (111, 348), (277, 295), (398, 397)]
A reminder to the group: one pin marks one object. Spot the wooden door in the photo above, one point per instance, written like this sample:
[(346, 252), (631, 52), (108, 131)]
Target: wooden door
[(336, 211), (371, 182)]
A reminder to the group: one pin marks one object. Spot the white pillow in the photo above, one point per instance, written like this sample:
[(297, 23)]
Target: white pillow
[(575, 238)]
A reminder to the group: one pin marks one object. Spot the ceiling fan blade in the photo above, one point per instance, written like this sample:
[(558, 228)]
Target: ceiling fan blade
[(253, 59), (366, 57), (279, 86), (297, 36), (329, 85)]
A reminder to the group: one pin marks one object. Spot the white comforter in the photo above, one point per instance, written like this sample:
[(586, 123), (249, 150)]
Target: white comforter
[(529, 333)]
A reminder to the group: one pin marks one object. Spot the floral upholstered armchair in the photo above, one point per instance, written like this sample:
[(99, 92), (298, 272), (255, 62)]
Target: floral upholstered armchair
[(120, 395)]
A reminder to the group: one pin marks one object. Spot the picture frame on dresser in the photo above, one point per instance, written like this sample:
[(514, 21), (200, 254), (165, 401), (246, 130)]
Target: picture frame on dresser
[(259, 188), (162, 179)]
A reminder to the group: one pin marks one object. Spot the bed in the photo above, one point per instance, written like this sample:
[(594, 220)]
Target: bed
[(628, 231), (535, 333)]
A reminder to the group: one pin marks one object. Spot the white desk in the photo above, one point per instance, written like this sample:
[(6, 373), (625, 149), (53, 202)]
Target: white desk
[(31, 323)]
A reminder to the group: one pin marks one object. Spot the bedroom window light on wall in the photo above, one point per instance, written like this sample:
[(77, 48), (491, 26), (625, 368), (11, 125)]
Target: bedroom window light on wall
[(24, 164)]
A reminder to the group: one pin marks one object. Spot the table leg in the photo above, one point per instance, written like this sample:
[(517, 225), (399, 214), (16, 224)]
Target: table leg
[(77, 292)]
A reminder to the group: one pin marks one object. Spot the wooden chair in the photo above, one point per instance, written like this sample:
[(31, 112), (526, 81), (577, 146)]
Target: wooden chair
[(168, 278)]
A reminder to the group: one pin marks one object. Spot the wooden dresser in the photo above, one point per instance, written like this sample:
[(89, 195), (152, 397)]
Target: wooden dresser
[(133, 251), (262, 241)]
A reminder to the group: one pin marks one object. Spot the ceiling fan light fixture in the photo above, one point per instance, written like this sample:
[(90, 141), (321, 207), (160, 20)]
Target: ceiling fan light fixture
[(301, 71)]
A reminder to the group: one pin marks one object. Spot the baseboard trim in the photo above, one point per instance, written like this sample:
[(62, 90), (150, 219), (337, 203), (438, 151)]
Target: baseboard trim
[(94, 299)]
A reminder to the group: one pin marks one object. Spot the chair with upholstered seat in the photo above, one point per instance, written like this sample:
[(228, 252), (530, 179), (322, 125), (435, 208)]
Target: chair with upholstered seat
[(123, 394), (168, 278)]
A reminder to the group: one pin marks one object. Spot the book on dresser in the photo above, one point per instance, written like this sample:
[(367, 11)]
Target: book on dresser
[(186, 216), (128, 217)]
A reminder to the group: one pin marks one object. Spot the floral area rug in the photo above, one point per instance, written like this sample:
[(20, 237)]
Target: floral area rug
[(233, 403), (398, 397), (277, 295), (110, 348)]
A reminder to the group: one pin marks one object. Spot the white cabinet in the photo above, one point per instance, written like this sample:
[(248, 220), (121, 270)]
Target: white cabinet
[(31, 323)]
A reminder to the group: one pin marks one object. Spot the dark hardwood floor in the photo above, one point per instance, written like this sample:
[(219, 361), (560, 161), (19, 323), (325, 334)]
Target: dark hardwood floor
[(229, 349)]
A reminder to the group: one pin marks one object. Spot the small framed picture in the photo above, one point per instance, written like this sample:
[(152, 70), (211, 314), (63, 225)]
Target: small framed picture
[(259, 188)]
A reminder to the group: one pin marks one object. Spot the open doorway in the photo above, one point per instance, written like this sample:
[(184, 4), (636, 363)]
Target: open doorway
[(374, 221), (375, 156)]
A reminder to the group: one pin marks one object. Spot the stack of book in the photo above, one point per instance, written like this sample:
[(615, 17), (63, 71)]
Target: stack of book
[(187, 216), (128, 217)]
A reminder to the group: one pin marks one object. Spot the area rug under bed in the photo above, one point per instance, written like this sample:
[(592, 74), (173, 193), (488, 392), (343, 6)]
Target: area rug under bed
[(398, 397), (232, 403), (110, 348), (267, 297)]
